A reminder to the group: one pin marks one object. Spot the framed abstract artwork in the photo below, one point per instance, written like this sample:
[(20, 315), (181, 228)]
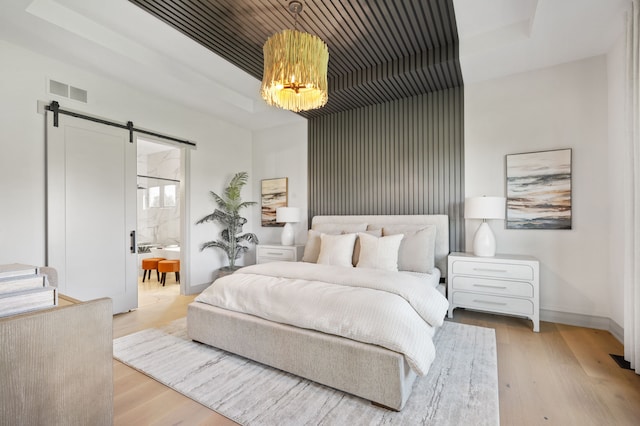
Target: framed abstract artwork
[(539, 190), (273, 195)]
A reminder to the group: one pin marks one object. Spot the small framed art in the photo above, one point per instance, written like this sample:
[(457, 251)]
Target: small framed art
[(273, 195)]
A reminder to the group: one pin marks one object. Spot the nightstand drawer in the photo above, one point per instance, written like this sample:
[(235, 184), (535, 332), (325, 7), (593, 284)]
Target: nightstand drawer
[(493, 303), (492, 286), (495, 270), (276, 253)]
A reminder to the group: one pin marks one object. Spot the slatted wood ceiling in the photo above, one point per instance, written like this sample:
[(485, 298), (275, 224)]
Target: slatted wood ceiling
[(391, 138), (378, 50)]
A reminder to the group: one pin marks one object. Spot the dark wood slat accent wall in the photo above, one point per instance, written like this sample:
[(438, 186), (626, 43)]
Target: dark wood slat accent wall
[(400, 157)]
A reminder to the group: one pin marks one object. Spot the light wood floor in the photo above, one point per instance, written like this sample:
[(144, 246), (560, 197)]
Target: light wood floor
[(138, 399), (560, 376)]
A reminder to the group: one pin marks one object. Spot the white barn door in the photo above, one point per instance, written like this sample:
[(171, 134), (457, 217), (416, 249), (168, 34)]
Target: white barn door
[(91, 210)]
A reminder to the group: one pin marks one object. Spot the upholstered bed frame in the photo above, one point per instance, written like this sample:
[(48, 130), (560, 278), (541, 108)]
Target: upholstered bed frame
[(368, 371)]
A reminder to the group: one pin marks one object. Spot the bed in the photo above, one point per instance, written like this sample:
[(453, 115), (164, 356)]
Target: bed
[(363, 330)]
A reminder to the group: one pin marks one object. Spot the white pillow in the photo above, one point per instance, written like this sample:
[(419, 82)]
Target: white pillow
[(417, 251), (336, 249), (379, 253)]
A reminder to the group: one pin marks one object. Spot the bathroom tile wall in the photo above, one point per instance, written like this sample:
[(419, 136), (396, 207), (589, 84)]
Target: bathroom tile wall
[(158, 209)]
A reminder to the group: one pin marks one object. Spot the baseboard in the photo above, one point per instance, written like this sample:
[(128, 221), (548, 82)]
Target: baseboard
[(195, 289), (581, 320), (617, 331)]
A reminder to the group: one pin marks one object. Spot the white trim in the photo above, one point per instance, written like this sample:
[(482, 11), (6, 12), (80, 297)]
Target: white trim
[(199, 288), (185, 216), (631, 187), (581, 320), (616, 330), (185, 204)]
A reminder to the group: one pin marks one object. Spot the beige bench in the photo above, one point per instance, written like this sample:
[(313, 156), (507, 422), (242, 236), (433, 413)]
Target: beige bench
[(56, 365)]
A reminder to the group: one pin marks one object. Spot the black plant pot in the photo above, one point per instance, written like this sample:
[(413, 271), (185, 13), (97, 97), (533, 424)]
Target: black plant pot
[(226, 270)]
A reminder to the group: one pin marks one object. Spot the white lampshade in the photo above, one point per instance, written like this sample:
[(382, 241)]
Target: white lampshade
[(484, 242), (484, 208), (287, 214)]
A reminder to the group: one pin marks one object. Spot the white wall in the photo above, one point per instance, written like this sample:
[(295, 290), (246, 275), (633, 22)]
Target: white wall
[(558, 107), (617, 157), (223, 149), (282, 152)]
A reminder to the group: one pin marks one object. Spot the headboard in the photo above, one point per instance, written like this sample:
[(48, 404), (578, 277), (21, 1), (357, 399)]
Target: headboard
[(440, 221)]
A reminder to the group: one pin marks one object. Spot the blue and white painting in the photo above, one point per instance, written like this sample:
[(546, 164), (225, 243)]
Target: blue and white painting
[(539, 190)]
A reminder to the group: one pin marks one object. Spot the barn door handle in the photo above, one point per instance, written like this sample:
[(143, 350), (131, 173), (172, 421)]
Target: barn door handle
[(132, 235)]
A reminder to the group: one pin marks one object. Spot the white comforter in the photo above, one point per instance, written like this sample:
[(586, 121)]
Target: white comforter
[(393, 310)]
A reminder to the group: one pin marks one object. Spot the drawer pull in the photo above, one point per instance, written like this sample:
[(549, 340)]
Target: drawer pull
[(490, 270), (488, 302), (500, 287), (275, 253)]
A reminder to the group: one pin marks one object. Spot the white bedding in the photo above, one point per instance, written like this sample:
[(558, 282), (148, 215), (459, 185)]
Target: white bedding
[(431, 280), (390, 309)]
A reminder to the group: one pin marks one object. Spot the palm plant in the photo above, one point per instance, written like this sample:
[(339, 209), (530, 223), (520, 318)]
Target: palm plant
[(227, 215)]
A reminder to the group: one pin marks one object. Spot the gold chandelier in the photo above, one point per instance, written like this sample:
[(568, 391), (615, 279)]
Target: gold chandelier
[(295, 69)]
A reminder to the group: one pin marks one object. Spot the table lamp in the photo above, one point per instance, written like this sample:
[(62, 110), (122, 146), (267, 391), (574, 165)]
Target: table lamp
[(287, 215), (485, 208)]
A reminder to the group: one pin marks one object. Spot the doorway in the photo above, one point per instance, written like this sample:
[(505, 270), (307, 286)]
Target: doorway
[(160, 214)]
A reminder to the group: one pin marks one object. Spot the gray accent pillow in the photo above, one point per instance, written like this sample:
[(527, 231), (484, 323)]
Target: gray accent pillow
[(356, 248), (417, 249), (312, 247)]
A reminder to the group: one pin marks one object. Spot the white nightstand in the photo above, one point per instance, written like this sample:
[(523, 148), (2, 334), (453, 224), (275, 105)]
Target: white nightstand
[(504, 284), (277, 252)]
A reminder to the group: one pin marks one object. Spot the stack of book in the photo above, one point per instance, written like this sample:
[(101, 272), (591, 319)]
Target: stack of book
[(23, 289)]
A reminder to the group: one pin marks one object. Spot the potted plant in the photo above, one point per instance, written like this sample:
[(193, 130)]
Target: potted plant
[(228, 215)]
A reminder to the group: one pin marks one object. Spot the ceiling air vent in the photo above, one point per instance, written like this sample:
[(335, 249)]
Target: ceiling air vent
[(67, 91), (78, 94), (57, 88)]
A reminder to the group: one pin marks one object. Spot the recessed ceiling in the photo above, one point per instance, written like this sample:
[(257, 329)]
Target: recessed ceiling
[(120, 41), (504, 37), (378, 51)]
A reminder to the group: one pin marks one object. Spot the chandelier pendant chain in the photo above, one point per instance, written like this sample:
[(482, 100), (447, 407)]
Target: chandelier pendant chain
[(295, 7)]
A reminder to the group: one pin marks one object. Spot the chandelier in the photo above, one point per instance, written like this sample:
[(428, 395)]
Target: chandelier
[(295, 68)]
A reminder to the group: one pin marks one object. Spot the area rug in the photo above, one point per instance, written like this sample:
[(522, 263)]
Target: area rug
[(461, 387)]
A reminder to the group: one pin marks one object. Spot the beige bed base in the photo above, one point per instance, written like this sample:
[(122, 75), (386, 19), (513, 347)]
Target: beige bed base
[(368, 371)]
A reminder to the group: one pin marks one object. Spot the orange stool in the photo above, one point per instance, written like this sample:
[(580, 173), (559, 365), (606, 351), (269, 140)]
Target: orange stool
[(165, 266), (149, 265)]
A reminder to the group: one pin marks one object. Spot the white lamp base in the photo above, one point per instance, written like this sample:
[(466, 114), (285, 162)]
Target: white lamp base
[(287, 237), (484, 243)]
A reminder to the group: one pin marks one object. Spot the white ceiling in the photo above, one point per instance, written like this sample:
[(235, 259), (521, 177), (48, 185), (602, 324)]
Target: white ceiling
[(503, 37), (117, 39)]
